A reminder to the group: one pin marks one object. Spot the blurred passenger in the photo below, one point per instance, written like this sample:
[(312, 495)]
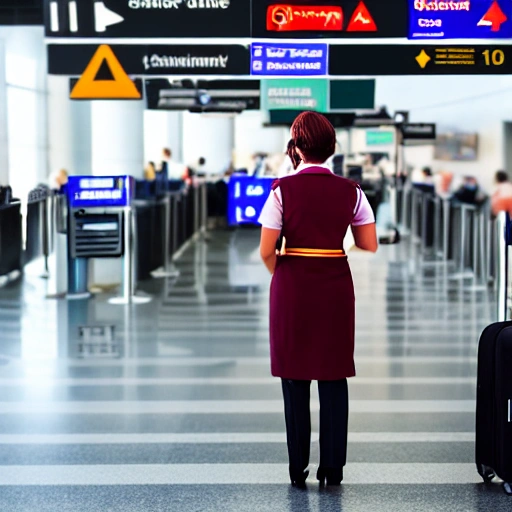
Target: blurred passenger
[(150, 172), (417, 176), (469, 192), (501, 200), (427, 181), (443, 182), (58, 180), (201, 167), (171, 169)]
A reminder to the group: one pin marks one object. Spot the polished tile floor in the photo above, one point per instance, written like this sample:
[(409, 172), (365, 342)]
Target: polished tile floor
[(180, 412)]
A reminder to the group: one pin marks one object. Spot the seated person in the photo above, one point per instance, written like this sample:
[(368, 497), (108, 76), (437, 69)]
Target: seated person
[(501, 200), (469, 192)]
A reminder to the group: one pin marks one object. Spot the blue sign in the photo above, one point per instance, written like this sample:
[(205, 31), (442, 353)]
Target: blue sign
[(246, 197), (282, 59), (100, 191), (460, 19)]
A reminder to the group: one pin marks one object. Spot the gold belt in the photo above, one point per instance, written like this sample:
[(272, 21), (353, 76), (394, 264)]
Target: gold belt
[(310, 253)]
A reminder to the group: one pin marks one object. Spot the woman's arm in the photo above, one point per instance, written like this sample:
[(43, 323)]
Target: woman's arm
[(268, 247), (365, 237)]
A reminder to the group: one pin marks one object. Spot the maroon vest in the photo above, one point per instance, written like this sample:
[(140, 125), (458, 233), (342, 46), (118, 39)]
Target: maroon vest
[(312, 314), (318, 208)]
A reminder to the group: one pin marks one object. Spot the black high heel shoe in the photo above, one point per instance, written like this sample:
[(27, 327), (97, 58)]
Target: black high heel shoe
[(298, 477), (332, 476)]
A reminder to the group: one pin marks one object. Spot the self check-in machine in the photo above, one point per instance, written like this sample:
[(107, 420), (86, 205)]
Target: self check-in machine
[(246, 197), (101, 224)]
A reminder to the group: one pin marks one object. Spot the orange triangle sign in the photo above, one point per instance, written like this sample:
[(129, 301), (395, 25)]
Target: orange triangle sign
[(119, 88), (361, 20)]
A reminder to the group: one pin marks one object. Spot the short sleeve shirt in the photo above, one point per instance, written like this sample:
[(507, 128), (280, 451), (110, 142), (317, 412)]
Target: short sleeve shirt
[(272, 213)]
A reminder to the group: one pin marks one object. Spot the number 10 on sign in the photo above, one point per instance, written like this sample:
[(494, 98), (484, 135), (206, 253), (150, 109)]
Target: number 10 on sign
[(494, 58)]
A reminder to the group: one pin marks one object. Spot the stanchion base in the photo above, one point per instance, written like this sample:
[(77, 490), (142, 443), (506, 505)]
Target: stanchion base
[(161, 272), (477, 288), (462, 275), (78, 296), (134, 299)]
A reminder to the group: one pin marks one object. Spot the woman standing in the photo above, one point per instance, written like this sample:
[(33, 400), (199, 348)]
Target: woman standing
[(312, 295)]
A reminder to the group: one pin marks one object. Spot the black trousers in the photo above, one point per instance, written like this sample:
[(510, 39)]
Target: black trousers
[(333, 422)]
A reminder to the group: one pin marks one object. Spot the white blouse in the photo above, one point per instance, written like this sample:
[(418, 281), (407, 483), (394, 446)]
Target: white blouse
[(272, 213)]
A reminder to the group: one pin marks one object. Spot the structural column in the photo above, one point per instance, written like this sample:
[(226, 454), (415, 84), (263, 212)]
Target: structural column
[(162, 129), (69, 129), (117, 148), (117, 138)]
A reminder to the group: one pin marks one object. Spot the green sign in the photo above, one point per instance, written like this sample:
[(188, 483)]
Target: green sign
[(379, 137), (352, 94), (295, 94)]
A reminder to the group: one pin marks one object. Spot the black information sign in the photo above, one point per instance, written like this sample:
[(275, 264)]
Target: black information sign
[(203, 95), (418, 131), (148, 18), (329, 18), (147, 60), (375, 60)]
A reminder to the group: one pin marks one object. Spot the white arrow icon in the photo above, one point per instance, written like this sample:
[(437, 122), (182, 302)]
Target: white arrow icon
[(105, 17)]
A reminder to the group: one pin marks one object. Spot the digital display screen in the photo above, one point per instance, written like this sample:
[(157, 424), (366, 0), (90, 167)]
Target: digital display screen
[(311, 19), (283, 59), (416, 59), (460, 19), (98, 192), (246, 197)]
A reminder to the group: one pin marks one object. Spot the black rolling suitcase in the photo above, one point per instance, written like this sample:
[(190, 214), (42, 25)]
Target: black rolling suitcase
[(494, 404)]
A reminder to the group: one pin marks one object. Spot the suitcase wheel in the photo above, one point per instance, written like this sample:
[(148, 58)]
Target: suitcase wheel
[(507, 487), (486, 472)]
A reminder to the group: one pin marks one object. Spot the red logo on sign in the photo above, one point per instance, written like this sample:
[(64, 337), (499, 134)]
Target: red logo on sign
[(283, 18), (493, 18), (362, 20)]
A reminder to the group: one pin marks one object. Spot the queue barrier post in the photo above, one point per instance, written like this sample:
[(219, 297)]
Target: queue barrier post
[(168, 269), (128, 286), (502, 267)]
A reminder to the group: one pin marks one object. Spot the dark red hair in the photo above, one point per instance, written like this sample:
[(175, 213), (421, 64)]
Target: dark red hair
[(315, 136)]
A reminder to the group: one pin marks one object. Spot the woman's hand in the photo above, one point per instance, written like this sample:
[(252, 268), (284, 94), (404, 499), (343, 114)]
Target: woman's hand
[(268, 247)]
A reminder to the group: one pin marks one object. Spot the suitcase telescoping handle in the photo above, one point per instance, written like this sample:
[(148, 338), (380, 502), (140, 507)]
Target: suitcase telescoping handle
[(504, 236)]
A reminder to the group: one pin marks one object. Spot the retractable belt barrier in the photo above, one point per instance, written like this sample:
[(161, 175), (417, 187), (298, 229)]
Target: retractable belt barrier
[(10, 238), (462, 236)]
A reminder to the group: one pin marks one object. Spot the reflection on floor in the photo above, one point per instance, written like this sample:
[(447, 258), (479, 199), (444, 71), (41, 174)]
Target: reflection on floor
[(180, 412)]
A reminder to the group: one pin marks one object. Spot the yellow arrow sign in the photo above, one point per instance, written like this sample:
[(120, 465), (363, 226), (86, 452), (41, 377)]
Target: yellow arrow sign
[(119, 88)]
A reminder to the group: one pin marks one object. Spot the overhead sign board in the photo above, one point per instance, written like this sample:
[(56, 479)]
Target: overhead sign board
[(460, 19), (352, 95), (100, 192), (418, 131), (286, 59), (148, 18), (203, 95), (329, 18), (364, 60), (151, 60), (295, 94), (379, 137)]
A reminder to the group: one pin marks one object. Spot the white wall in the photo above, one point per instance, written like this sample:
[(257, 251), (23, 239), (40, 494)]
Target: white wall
[(209, 136), (251, 137), (466, 103), (23, 133)]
